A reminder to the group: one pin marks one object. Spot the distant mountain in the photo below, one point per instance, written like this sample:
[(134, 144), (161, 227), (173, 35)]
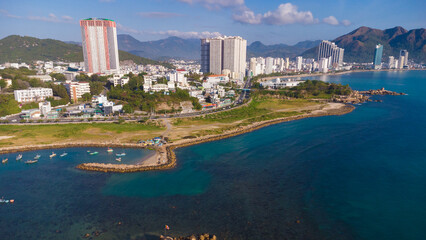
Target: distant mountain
[(172, 47), (16, 48), (258, 49), (360, 44)]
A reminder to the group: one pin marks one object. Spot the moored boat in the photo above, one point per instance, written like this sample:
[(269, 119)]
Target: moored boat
[(120, 154), (63, 154), (31, 161), (37, 156), (2, 200), (19, 157), (4, 160), (52, 155), (118, 159), (93, 153), (110, 150)]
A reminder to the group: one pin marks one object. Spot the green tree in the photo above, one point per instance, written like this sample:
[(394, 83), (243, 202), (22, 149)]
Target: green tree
[(96, 88), (82, 77), (58, 76), (86, 97), (2, 84), (128, 108), (8, 105)]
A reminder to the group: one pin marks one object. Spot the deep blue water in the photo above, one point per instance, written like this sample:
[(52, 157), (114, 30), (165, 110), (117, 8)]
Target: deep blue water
[(357, 176)]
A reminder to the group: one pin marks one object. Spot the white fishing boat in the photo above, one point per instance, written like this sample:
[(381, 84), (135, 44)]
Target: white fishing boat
[(118, 159), (19, 157), (52, 155), (63, 154)]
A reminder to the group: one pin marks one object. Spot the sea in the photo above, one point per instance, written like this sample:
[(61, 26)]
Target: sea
[(357, 176)]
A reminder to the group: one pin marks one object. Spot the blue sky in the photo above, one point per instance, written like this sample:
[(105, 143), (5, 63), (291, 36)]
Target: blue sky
[(269, 21)]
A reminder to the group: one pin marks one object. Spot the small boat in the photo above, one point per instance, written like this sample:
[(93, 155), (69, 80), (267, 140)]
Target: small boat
[(31, 161), (52, 155), (4, 160), (88, 151), (37, 156), (120, 154), (2, 200), (63, 154), (93, 153), (19, 157), (110, 150), (118, 159)]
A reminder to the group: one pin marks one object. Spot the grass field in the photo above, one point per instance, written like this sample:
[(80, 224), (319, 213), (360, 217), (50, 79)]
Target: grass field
[(55, 133), (261, 108)]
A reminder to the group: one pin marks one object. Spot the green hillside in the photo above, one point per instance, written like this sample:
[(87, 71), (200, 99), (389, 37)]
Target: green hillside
[(15, 48)]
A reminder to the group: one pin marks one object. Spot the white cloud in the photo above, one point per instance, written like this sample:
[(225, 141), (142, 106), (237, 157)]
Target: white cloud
[(331, 20), (286, 13), (346, 22), (169, 33), (159, 14), (51, 18), (7, 14)]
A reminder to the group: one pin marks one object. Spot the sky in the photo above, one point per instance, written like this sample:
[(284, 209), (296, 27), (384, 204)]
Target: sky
[(268, 21)]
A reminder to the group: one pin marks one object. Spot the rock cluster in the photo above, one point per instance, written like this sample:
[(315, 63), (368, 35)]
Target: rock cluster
[(357, 97), (205, 236), (382, 91)]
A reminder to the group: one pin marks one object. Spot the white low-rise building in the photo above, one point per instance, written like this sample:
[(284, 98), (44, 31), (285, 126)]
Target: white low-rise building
[(43, 78), (159, 87), (77, 89), (119, 80), (44, 108), (33, 94), (280, 83)]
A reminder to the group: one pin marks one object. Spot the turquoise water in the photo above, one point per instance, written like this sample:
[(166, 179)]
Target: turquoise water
[(356, 176)]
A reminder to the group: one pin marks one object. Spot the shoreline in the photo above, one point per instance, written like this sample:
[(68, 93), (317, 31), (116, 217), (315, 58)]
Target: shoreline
[(334, 73), (164, 157)]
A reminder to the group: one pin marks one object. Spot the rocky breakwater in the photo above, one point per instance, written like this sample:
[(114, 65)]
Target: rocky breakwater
[(356, 97), (192, 237), (382, 91), (165, 158)]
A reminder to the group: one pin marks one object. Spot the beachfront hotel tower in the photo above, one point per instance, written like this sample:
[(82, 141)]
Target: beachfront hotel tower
[(378, 56), (332, 52), (222, 55), (100, 48)]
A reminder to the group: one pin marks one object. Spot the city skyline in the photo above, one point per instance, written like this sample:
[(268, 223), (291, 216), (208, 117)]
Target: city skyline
[(269, 22)]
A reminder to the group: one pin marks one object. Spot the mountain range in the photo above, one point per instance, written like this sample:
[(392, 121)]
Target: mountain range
[(174, 47), (16, 48), (360, 44)]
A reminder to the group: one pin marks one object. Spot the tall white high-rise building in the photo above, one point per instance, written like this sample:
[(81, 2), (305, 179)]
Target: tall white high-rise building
[(253, 65), (299, 61), (404, 53), (391, 62), (323, 65), (401, 62), (100, 47), (330, 50), (224, 53), (287, 63), (269, 65)]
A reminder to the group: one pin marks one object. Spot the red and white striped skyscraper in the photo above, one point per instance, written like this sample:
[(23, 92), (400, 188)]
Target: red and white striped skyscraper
[(100, 48)]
